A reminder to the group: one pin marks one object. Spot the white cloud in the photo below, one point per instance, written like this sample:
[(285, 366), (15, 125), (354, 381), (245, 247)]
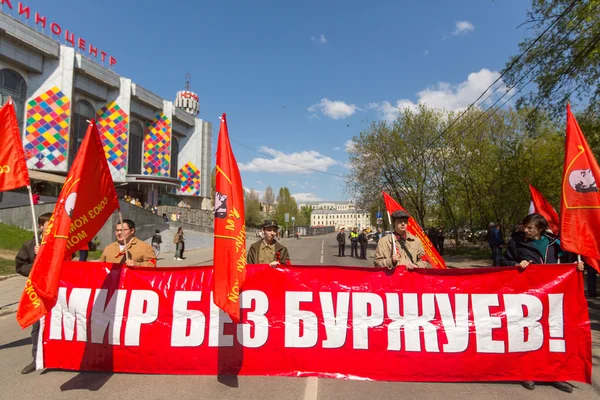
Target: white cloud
[(310, 186), (349, 145), (426, 52), (333, 109), (321, 39), (337, 148), (290, 163), (446, 96), (462, 28), (259, 183), (302, 197)]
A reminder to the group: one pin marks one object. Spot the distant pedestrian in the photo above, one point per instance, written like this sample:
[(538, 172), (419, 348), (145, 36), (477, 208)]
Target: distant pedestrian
[(495, 241), (156, 241), (363, 241), (36, 198), (24, 262), (341, 239), (440, 241), (178, 239)]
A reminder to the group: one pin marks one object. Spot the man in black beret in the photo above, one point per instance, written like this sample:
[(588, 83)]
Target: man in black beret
[(268, 250), (401, 247)]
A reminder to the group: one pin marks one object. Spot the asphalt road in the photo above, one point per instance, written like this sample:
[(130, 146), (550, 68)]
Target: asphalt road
[(15, 350)]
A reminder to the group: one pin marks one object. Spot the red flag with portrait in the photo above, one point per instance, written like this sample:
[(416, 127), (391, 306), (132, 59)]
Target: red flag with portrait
[(432, 255), (230, 229), (580, 208), (13, 167), (86, 201)]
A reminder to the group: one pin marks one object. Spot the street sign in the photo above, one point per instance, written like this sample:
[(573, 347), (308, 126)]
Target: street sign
[(287, 217), (379, 215), (293, 219)]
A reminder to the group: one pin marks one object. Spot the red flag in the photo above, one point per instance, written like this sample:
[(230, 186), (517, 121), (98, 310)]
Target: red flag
[(86, 201), (580, 207), (545, 209), (433, 257), (230, 229), (13, 167)]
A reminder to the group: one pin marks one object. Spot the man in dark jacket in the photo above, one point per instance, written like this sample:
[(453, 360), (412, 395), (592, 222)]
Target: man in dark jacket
[(341, 239), (268, 250), (535, 246), (363, 241), (24, 262)]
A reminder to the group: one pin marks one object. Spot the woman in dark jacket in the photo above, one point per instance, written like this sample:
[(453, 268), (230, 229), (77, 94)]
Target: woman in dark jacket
[(535, 246)]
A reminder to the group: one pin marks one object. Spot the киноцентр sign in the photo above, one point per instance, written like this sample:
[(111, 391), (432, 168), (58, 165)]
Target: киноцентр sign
[(488, 324)]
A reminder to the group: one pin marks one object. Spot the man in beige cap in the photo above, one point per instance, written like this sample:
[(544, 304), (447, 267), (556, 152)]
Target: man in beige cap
[(401, 247)]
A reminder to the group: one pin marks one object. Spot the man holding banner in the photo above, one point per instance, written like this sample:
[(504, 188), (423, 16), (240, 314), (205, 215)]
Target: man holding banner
[(401, 247)]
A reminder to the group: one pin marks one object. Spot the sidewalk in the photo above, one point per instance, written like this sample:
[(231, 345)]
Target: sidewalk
[(11, 288)]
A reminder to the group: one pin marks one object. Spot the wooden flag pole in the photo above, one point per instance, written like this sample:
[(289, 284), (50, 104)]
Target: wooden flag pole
[(393, 238), (124, 241), (35, 227)]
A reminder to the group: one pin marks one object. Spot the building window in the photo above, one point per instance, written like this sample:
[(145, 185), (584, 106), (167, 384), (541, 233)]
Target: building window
[(83, 113), (174, 156), (136, 139), (13, 84)]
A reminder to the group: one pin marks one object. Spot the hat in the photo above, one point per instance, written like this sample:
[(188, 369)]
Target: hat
[(269, 223), (400, 214), (342, 228)]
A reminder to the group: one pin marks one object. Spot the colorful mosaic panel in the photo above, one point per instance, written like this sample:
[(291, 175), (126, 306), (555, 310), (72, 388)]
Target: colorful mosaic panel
[(48, 130), (189, 176), (157, 147), (112, 125)]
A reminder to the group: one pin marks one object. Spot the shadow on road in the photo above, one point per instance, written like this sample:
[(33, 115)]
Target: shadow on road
[(92, 381), (16, 343)]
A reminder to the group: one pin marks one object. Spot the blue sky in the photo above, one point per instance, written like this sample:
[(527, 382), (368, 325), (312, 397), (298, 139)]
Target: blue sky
[(299, 79)]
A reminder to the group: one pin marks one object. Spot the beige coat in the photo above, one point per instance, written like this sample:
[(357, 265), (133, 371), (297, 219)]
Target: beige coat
[(385, 248), (140, 252)]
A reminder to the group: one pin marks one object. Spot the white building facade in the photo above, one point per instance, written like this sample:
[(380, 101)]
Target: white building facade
[(340, 218)]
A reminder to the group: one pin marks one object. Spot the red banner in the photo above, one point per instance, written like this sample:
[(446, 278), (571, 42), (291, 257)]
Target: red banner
[(432, 255), (487, 324), (544, 208)]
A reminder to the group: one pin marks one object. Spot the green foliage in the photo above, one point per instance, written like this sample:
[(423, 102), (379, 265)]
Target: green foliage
[(305, 214), (252, 211), (285, 204), (473, 174), (565, 61), (7, 267)]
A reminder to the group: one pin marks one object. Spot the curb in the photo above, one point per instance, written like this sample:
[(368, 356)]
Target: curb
[(7, 312), (5, 277)]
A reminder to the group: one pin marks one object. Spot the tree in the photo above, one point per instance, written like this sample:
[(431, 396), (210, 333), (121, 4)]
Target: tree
[(285, 204), (304, 217), (269, 199), (563, 61), (252, 209)]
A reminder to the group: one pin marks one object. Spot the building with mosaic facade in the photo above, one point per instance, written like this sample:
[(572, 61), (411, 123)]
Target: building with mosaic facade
[(157, 152)]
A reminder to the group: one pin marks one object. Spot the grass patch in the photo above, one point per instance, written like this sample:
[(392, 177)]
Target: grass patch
[(7, 267), (12, 238), (472, 253)]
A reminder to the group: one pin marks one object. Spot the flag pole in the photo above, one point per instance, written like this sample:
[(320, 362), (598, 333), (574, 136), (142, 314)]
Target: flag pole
[(124, 242), (392, 229), (35, 229)]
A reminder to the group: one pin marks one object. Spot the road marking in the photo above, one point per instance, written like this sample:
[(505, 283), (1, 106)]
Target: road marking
[(321, 258), (312, 388)]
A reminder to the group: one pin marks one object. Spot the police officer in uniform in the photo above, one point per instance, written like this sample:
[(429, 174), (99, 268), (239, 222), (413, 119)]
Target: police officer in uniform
[(354, 243), (268, 250)]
